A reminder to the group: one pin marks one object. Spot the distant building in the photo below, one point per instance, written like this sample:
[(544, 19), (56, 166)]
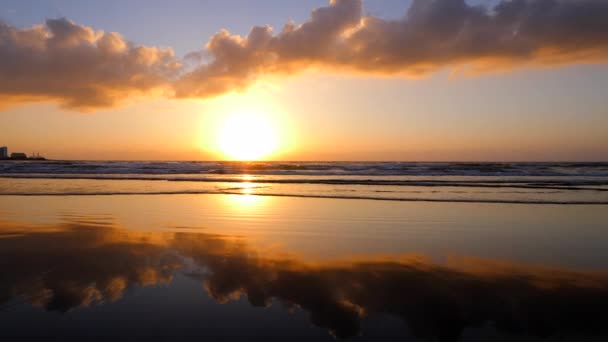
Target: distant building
[(3, 152), (18, 155)]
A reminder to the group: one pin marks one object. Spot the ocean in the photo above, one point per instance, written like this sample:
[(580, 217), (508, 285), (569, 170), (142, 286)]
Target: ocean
[(551, 183)]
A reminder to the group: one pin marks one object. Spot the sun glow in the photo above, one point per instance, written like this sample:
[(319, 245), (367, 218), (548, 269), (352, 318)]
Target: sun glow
[(247, 136), (245, 127)]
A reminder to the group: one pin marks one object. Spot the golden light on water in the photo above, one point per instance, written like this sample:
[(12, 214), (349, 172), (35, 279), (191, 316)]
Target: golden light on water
[(245, 200), (247, 188)]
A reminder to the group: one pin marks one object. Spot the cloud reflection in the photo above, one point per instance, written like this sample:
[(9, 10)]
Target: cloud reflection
[(77, 264)]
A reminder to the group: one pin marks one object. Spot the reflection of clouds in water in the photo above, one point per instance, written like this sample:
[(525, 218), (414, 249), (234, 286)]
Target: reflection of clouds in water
[(68, 266), (77, 265)]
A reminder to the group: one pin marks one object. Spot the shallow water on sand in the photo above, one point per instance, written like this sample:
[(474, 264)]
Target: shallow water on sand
[(237, 267)]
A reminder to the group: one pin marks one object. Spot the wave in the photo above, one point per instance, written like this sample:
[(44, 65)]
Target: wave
[(556, 184), (546, 169), (403, 199), (542, 183)]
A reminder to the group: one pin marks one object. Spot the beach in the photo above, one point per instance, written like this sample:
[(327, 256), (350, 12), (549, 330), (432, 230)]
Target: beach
[(328, 170), (190, 266)]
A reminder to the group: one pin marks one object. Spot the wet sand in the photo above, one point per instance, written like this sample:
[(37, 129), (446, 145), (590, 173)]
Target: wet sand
[(190, 267)]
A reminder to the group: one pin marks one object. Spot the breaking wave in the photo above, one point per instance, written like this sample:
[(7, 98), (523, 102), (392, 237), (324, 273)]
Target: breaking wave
[(310, 168)]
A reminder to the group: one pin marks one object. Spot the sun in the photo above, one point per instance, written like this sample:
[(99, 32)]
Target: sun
[(248, 126), (246, 137)]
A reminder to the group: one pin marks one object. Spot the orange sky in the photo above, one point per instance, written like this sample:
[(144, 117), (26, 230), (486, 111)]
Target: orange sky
[(337, 84)]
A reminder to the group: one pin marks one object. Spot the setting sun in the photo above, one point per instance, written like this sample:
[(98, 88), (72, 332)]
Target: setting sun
[(247, 137), (246, 127)]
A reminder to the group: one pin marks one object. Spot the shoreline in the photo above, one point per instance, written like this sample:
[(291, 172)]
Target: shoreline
[(365, 198)]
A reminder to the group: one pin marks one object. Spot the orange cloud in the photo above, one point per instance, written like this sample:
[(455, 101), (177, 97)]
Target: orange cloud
[(77, 66), (82, 68), (434, 34)]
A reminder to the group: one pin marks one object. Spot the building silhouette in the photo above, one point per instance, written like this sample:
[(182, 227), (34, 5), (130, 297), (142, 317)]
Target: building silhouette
[(3, 152), (18, 155)]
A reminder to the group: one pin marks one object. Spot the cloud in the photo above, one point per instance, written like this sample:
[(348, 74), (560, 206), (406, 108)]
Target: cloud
[(82, 68), (77, 66), (433, 34), (237, 61)]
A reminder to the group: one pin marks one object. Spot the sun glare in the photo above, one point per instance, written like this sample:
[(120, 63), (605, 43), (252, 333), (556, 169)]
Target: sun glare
[(247, 137), (245, 127)]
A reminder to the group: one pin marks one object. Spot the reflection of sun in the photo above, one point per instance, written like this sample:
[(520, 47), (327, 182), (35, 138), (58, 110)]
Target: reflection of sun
[(247, 188), (247, 137), (245, 200)]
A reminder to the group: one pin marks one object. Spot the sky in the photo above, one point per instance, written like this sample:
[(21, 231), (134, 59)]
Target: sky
[(348, 80)]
